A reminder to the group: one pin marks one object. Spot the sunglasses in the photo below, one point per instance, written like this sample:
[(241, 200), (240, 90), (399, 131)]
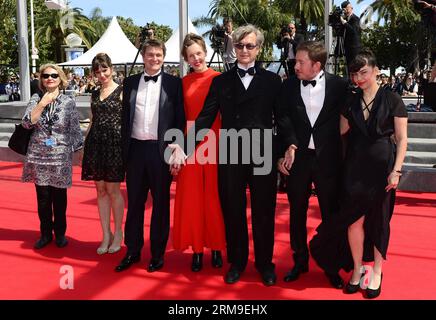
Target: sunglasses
[(48, 75), (249, 46)]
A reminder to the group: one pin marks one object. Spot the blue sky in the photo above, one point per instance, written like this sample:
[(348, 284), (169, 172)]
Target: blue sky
[(162, 11)]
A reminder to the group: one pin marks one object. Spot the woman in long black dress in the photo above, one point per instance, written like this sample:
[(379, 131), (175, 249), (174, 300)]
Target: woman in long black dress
[(376, 123), (102, 158)]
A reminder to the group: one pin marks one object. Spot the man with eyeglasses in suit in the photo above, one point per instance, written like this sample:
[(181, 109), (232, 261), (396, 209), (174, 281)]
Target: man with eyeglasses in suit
[(245, 97)]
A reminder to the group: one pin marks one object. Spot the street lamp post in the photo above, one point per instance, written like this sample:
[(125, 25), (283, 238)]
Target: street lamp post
[(328, 6), (23, 45), (32, 35), (183, 30)]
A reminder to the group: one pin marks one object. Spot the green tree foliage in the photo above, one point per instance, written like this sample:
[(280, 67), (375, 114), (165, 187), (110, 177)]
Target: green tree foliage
[(51, 28), (267, 15)]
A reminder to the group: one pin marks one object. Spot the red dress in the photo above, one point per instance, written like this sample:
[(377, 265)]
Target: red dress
[(198, 220)]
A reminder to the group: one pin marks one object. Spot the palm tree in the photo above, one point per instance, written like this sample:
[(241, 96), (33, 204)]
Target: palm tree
[(308, 12), (53, 26), (394, 10), (99, 23), (263, 13)]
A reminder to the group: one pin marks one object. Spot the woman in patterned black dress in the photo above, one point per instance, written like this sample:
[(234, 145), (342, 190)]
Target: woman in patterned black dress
[(102, 159), (372, 168), (49, 159)]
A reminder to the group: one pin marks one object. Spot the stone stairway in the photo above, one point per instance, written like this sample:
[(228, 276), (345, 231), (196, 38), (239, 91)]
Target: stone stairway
[(419, 174)]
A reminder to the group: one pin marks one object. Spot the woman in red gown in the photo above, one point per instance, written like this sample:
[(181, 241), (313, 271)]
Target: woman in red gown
[(198, 221)]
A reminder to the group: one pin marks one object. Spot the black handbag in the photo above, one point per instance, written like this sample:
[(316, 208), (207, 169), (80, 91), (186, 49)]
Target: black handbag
[(19, 140)]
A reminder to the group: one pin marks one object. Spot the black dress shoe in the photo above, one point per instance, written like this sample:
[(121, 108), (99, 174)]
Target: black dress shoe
[(217, 259), (294, 274), (335, 280), (61, 241), (269, 278), (352, 288), (197, 262), (42, 242), (233, 275), (155, 265), (374, 293), (127, 261)]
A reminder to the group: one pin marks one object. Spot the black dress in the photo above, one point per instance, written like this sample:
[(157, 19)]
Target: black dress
[(369, 159), (102, 158)]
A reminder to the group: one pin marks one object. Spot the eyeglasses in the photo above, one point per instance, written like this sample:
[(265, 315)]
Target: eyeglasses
[(249, 46), (48, 75)]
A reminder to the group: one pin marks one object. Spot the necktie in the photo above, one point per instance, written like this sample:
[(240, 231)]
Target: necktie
[(154, 78), (251, 71), (312, 82)]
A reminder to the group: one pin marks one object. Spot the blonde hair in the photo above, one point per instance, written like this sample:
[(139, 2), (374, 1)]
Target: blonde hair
[(190, 39), (64, 82)]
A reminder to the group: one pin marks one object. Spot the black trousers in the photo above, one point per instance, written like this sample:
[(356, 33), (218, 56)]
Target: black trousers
[(291, 66), (233, 180), (52, 202), (304, 172), (146, 171)]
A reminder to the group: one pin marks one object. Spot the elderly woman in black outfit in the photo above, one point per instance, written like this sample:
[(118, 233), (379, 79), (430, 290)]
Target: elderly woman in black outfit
[(49, 158), (376, 124)]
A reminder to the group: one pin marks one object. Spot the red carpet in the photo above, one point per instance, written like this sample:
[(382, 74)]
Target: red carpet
[(409, 272)]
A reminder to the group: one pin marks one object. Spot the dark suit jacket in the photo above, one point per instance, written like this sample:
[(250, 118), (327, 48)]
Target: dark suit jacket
[(171, 112), (254, 109), (352, 33), (296, 41), (294, 125)]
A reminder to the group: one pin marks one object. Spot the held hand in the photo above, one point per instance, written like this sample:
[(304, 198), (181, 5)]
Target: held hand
[(175, 169), (177, 158), (393, 180), (343, 20)]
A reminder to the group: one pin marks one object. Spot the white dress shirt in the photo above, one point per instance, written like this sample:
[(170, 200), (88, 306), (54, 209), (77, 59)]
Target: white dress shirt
[(247, 79), (145, 122), (313, 98)]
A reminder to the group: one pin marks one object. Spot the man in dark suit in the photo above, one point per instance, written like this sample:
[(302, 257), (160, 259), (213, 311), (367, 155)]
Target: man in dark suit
[(351, 23), (308, 127), (245, 97), (152, 105), (293, 40)]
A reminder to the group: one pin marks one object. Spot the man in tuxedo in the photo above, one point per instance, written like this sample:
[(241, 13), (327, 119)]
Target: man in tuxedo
[(245, 97), (152, 105), (308, 127), (351, 23)]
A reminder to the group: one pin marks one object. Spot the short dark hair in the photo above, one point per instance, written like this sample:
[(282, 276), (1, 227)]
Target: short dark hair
[(315, 50), (101, 60), (153, 43), (364, 58), (345, 4)]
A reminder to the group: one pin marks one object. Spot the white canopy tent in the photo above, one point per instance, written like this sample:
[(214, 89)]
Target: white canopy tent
[(174, 47), (113, 42)]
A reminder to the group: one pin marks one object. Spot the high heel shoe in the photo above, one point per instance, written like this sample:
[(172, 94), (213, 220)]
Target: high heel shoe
[(353, 288), (116, 246), (374, 293), (197, 262), (217, 260), (104, 247)]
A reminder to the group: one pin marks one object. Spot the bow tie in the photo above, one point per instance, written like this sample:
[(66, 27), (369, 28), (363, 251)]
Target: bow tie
[(306, 82), (154, 78), (251, 71)]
